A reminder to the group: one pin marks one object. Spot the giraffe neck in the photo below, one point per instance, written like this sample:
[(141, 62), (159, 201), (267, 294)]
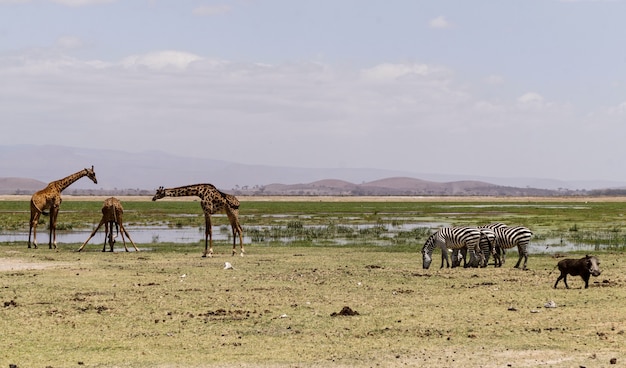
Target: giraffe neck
[(61, 184)]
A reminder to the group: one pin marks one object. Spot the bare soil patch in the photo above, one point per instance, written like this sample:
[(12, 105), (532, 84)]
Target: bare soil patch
[(10, 264)]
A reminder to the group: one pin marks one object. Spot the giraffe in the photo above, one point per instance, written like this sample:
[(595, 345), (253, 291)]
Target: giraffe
[(112, 212), (49, 198), (212, 201)]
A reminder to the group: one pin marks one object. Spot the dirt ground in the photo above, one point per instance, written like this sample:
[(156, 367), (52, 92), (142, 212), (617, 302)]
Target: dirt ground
[(10, 264)]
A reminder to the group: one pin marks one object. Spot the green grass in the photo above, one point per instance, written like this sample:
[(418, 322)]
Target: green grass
[(315, 222), (170, 307)]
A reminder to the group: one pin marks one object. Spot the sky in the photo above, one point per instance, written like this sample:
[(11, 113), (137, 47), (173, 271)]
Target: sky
[(533, 88)]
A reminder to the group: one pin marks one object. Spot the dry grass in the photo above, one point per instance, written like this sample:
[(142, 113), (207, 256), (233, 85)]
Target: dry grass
[(165, 309)]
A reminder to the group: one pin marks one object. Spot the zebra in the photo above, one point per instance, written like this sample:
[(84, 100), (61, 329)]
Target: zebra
[(509, 237), (493, 247), (487, 246), (453, 238), (493, 225)]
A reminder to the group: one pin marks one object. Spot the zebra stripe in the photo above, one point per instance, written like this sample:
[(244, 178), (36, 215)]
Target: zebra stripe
[(487, 247), (510, 237), (493, 225), (487, 243), (453, 238), (494, 249)]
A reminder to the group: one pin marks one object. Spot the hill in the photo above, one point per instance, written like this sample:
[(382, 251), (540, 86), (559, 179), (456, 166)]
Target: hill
[(402, 186), (20, 185), (27, 168), (397, 186)]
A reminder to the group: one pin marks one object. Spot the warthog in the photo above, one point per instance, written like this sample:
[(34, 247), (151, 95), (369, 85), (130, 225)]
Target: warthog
[(584, 267)]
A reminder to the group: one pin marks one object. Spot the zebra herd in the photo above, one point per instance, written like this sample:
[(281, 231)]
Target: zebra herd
[(479, 243)]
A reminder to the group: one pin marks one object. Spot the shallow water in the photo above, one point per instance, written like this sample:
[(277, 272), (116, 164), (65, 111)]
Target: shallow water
[(146, 235), (139, 234)]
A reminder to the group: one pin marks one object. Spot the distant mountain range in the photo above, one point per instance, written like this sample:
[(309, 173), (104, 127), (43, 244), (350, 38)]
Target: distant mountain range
[(27, 168), (403, 186)]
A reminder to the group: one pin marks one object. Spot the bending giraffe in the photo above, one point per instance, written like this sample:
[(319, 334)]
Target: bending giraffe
[(49, 198), (112, 213), (212, 201)]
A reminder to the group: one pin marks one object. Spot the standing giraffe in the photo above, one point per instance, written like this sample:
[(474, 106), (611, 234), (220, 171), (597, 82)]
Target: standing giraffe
[(212, 201), (50, 198), (112, 212)]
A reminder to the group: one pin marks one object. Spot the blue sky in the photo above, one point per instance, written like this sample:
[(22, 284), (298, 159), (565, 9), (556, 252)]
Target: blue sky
[(533, 88)]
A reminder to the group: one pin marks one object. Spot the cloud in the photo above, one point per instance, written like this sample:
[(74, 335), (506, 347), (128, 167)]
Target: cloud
[(530, 99), (413, 116), (72, 3), (488, 107), (589, 1), (69, 42), (494, 79), (389, 71), (75, 3), (210, 10), (440, 23), (619, 110), (161, 60)]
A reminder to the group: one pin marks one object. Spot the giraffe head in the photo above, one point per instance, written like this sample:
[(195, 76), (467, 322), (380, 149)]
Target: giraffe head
[(92, 175), (160, 193)]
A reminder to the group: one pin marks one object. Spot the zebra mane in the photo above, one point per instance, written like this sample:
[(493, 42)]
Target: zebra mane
[(429, 245)]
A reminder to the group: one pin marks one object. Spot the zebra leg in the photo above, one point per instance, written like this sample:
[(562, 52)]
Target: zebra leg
[(497, 256), (444, 255), (461, 254), (486, 257), (523, 253), (480, 258), (456, 262)]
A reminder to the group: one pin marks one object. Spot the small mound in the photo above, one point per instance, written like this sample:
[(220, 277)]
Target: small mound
[(345, 311)]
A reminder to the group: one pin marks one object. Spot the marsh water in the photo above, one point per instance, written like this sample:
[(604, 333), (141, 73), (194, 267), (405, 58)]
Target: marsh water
[(337, 234)]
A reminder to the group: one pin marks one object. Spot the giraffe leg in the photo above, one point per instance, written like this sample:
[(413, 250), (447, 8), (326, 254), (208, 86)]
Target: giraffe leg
[(54, 211), (208, 237), (120, 229), (234, 240), (30, 230), (33, 226), (106, 235), (91, 236), (50, 227), (237, 231), (113, 237), (128, 235)]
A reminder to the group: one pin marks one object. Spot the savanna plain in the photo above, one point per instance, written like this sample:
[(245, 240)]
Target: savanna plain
[(325, 282)]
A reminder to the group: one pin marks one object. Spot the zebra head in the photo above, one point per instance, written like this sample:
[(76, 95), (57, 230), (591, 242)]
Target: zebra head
[(427, 251)]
